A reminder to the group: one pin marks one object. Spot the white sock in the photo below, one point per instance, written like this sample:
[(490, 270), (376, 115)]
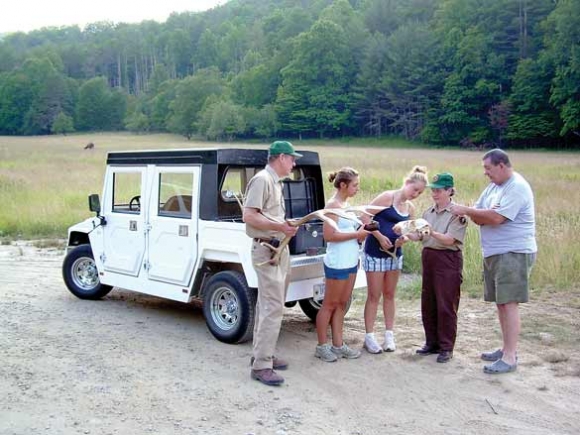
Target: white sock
[(370, 335)]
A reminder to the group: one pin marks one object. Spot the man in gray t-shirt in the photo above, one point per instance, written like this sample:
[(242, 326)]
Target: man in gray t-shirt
[(505, 214)]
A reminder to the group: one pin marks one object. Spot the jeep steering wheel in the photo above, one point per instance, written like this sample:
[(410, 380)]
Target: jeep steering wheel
[(135, 203)]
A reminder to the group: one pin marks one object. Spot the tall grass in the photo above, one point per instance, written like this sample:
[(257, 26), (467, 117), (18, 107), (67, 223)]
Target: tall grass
[(44, 183)]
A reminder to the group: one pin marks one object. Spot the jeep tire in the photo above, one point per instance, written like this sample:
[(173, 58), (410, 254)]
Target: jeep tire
[(229, 307), (81, 276)]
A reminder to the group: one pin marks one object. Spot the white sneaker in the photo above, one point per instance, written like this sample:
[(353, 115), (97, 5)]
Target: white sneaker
[(371, 344), (389, 344)]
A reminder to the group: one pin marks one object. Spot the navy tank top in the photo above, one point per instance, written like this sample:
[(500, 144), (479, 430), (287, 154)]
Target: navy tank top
[(387, 219)]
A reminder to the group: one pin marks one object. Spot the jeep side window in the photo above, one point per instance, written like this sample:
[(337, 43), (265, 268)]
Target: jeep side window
[(233, 184), (127, 192), (235, 181), (175, 193)]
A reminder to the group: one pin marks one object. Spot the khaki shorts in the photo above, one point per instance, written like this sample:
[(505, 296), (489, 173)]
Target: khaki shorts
[(506, 277)]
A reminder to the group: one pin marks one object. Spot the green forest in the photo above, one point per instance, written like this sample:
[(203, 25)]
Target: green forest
[(470, 73)]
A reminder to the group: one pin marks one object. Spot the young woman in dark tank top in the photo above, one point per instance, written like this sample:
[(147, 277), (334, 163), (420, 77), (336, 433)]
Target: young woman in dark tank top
[(383, 258)]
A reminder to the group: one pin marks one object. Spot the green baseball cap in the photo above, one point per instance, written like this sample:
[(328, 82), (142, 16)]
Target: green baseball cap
[(283, 147), (442, 181)]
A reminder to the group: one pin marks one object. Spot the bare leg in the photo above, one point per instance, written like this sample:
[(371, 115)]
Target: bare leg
[(330, 305), (374, 290), (390, 284), (337, 321), (510, 329)]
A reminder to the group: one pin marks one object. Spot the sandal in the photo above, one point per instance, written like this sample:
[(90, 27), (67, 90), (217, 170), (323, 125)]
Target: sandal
[(500, 366), (492, 356)]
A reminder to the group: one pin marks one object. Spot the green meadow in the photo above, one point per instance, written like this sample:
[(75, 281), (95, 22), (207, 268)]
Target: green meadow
[(45, 181)]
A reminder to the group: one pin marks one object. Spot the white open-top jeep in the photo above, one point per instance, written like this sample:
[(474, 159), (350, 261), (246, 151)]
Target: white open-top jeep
[(170, 225)]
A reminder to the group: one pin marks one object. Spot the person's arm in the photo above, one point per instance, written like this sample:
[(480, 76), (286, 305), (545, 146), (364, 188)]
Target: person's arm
[(381, 200), (332, 233), (479, 217), (444, 239), (255, 218)]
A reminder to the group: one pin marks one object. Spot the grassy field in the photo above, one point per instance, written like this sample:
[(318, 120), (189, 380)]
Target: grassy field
[(44, 183)]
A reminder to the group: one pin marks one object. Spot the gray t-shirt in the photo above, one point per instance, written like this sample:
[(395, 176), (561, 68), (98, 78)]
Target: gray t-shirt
[(514, 200)]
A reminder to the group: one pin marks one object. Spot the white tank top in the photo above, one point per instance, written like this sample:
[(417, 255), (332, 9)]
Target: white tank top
[(343, 255)]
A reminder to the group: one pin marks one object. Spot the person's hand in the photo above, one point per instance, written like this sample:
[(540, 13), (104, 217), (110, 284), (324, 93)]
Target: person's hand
[(289, 230), (385, 244), (401, 241), (361, 234), (458, 210)]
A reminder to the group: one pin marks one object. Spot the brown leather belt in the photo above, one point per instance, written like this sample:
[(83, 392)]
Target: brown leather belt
[(260, 240), (275, 242)]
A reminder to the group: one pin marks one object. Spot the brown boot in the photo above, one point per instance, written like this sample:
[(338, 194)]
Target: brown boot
[(277, 363), (267, 376)]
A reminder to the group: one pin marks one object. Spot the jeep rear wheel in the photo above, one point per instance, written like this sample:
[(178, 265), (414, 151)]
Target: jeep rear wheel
[(311, 307), (81, 276), (229, 307)]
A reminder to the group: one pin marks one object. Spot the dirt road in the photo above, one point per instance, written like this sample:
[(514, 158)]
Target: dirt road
[(132, 364)]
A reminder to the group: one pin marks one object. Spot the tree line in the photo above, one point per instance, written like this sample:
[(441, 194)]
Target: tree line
[(463, 72)]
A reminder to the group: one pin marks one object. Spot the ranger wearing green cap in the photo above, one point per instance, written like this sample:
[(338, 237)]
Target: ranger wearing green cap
[(264, 215), (442, 262)]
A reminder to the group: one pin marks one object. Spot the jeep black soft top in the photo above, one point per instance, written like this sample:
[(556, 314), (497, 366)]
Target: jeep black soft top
[(216, 162)]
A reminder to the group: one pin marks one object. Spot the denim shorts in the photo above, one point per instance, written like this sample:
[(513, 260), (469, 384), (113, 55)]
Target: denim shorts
[(341, 274), (382, 264)]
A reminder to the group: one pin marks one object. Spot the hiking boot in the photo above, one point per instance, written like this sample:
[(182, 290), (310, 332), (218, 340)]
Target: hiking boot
[(345, 352), (444, 356), (389, 344), (371, 344), (277, 363), (267, 377), (427, 350), (324, 352)]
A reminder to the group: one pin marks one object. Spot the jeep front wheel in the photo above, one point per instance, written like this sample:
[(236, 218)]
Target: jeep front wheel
[(81, 276), (311, 307), (229, 307)]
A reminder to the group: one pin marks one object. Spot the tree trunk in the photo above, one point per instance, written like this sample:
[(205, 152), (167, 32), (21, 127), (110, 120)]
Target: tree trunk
[(119, 77)]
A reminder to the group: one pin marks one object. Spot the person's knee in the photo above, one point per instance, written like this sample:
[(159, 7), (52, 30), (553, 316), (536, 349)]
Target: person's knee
[(389, 295), (373, 299), (330, 305)]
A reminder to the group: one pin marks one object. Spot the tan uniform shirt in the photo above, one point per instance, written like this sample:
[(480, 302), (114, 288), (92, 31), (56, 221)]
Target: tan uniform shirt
[(264, 192), (444, 222)]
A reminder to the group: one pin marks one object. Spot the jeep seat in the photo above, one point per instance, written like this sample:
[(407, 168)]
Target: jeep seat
[(178, 204)]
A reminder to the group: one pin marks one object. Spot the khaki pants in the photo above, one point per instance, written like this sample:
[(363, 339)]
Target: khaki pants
[(272, 286)]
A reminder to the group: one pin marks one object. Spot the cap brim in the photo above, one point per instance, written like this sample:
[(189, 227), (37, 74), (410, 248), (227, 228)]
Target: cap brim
[(436, 186), (297, 155)]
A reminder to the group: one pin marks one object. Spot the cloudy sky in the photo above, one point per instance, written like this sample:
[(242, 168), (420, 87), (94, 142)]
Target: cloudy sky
[(27, 15)]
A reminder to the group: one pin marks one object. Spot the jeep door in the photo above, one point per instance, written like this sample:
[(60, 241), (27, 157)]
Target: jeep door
[(124, 234), (173, 214)]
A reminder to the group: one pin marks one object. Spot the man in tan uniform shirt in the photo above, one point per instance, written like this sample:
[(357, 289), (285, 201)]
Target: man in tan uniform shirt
[(264, 215)]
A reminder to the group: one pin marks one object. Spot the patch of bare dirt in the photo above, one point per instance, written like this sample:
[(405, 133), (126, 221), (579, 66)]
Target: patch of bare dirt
[(134, 364)]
